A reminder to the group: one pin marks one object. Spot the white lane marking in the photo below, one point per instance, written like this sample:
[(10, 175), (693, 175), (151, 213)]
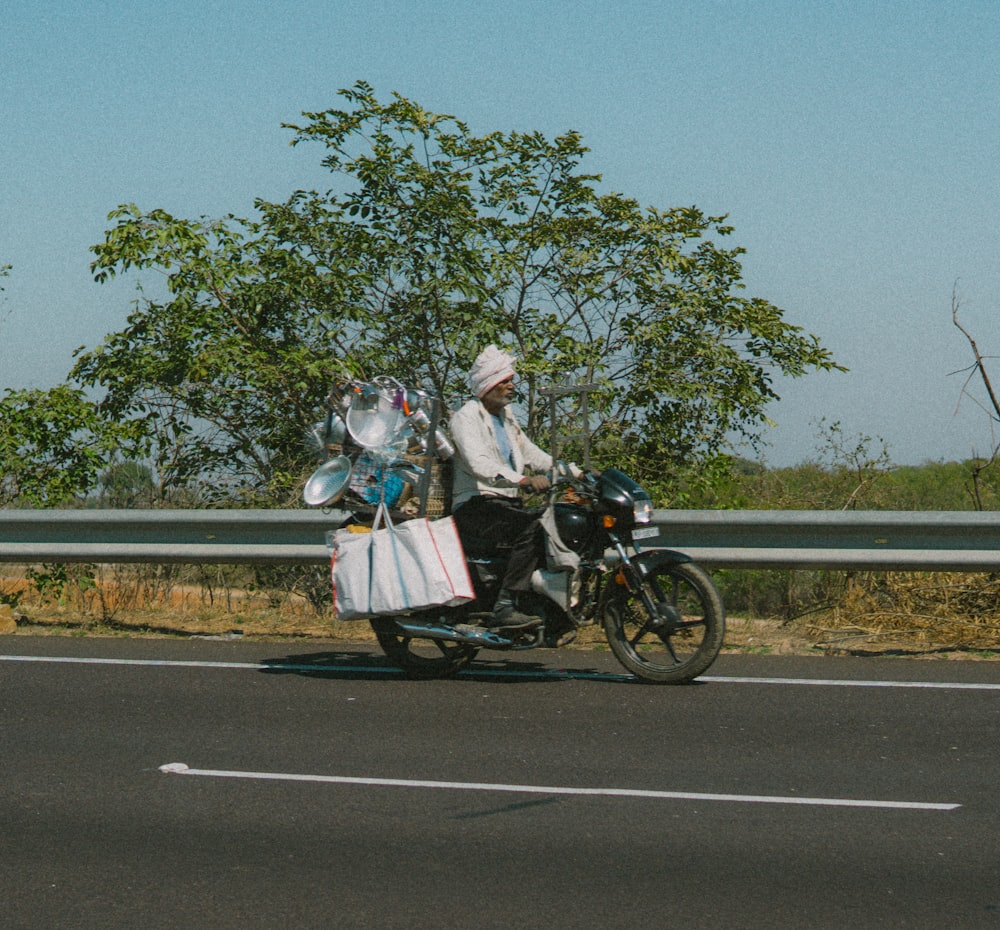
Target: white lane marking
[(555, 673), (181, 768), (848, 683), (83, 660), (166, 663)]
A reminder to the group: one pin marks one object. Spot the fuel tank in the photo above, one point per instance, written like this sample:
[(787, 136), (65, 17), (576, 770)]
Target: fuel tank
[(575, 525)]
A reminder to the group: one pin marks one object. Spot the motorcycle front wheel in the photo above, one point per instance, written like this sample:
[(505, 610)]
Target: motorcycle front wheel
[(422, 657), (678, 641)]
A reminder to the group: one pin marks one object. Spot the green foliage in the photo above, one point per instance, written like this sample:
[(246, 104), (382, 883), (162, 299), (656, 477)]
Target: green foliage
[(221, 377), (54, 582), (436, 242), (53, 446)]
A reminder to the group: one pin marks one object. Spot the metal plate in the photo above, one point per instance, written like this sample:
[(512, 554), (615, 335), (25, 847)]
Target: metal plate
[(373, 419), (327, 484), (646, 532)]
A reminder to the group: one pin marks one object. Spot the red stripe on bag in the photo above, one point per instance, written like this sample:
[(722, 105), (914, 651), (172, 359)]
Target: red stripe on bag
[(451, 582), (447, 574), (333, 580)]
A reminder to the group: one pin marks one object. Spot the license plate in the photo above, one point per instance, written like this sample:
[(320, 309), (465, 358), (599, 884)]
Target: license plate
[(646, 532)]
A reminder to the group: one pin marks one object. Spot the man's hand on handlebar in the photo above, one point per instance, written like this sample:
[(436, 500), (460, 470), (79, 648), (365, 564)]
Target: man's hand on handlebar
[(536, 483)]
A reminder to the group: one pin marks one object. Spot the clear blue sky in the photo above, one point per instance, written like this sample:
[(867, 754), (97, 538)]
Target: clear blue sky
[(855, 146)]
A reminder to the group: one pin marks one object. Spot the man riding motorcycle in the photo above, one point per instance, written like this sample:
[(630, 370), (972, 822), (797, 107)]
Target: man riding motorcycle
[(575, 563), (492, 453)]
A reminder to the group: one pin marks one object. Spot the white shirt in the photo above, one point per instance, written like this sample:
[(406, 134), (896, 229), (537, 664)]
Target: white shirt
[(480, 467)]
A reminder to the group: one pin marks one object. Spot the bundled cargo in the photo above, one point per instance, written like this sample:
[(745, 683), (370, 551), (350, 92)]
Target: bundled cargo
[(382, 443)]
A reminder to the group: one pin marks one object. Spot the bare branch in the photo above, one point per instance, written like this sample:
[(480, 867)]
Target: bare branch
[(979, 362)]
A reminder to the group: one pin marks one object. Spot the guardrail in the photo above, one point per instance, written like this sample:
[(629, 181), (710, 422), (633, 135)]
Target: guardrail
[(771, 539)]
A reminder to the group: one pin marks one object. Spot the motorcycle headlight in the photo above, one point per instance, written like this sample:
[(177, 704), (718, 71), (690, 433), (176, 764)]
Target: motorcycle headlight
[(642, 512)]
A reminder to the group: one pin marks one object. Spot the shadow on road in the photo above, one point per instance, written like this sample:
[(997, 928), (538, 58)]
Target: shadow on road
[(339, 664)]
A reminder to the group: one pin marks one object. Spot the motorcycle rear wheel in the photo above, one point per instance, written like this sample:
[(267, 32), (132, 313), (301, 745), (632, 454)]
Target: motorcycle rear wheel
[(671, 652), (422, 657)]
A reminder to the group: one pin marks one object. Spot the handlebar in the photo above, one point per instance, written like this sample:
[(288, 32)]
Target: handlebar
[(585, 484)]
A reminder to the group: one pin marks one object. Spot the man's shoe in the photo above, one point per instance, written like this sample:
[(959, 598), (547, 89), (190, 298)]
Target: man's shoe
[(508, 617)]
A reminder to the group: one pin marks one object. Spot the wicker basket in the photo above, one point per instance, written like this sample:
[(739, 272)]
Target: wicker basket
[(438, 503)]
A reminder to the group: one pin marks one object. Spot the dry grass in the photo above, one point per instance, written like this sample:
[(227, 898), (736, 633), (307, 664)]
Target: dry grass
[(929, 611), (125, 600), (915, 614), (926, 614)]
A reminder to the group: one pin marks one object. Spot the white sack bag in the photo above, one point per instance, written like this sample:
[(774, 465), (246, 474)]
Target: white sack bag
[(398, 569)]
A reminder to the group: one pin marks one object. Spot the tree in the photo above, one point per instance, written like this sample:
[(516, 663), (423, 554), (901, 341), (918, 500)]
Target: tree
[(53, 446), (433, 243)]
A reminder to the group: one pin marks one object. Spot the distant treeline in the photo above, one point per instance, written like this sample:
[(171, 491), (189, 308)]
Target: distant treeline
[(969, 485)]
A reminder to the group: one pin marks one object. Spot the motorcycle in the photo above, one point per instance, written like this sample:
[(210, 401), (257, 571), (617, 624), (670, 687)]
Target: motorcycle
[(661, 614)]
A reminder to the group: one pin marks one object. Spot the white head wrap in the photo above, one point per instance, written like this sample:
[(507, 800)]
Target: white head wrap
[(493, 366)]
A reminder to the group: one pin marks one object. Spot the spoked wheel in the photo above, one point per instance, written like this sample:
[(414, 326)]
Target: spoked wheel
[(677, 641), (422, 657)]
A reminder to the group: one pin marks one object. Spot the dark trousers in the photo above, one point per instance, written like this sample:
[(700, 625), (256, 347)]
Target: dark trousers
[(496, 523)]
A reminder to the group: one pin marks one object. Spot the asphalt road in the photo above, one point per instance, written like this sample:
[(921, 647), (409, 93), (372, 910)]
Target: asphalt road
[(309, 786)]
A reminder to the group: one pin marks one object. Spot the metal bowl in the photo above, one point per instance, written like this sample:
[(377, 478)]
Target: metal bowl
[(328, 483), (374, 419)]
